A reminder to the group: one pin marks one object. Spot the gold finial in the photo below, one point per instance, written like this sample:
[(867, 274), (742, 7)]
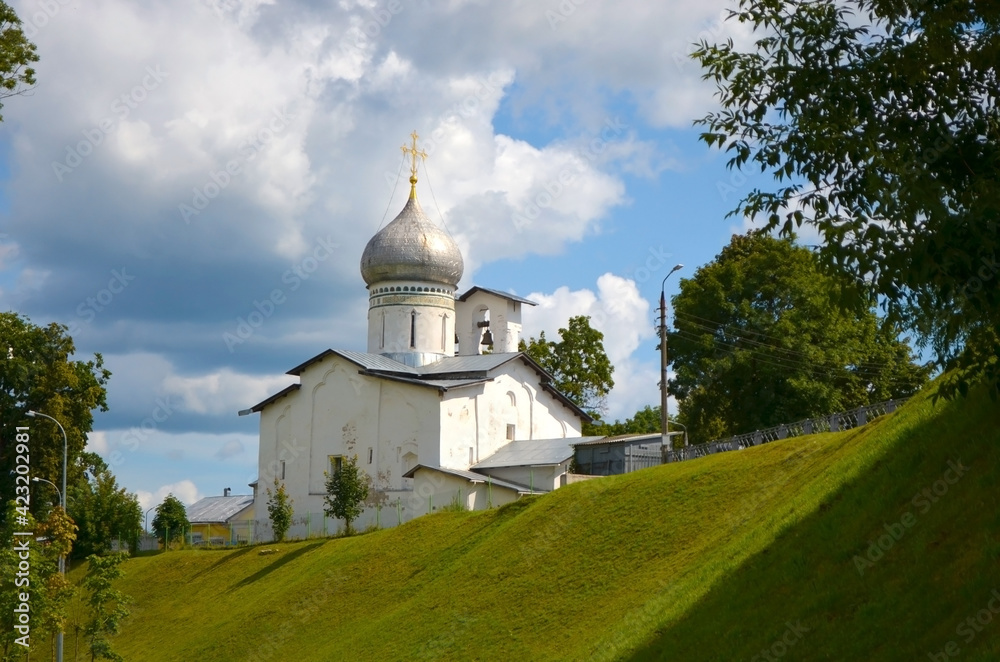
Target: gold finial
[(414, 153)]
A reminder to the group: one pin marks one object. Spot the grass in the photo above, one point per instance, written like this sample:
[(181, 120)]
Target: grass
[(711, 559)]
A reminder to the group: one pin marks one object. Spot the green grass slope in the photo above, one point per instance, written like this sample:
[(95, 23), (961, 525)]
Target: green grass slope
[(713, 559)]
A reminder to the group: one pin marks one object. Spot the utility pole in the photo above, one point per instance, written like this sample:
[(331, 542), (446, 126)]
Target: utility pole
[(664, 419)]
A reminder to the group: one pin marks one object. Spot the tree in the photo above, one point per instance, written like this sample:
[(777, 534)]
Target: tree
[(578, 365), (48, 591), (103, 511), (279, 508), (16, 55), (879, 119), (108, 606), (171, 517), (645, 421), (760, 339), (346, 491), (36, 372)]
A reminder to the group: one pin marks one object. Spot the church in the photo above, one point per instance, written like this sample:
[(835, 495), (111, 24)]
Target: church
[(442, 410)]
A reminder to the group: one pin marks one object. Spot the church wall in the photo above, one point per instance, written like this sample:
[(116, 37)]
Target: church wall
[(478, 417), (537, 478), (389, 426), (435, 490)]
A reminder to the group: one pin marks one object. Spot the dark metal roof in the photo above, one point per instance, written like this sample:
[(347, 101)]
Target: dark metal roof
[(473, 477), (217, 509), (280, 394), (504, 295)]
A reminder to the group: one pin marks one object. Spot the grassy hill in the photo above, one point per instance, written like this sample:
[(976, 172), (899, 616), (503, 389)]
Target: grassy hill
[(713, 559)]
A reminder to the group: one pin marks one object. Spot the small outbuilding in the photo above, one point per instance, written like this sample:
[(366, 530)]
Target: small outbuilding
[(221, 520)]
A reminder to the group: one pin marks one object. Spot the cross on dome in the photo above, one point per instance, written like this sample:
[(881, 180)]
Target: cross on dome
[(413, 152)]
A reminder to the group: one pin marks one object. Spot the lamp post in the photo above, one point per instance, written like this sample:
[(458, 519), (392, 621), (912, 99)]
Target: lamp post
[(62, 498), (146, 518), (56, 487), (664, 421)]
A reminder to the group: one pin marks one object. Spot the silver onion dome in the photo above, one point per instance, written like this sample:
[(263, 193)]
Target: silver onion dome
[(412, 247)]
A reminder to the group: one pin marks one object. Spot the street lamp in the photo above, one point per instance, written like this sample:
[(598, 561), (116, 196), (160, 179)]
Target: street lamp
[(147, 518), (37, 479), (62, 498), (664, 421)]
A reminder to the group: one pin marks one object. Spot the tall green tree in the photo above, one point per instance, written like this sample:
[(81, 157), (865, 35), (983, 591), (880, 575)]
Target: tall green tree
[(171, 518), (279, 509), (346, 491), (16, 55), (760, 338), (103, 511), (644, 421), (578, 364), (38, 373), (108, 605), (878, 121)]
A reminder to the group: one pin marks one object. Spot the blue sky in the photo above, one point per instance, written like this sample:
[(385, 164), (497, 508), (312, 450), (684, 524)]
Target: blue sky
[(178, 160)]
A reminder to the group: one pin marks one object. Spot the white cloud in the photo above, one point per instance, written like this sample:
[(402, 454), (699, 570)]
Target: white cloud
[(97, 442), (185, 490), (221, 392), (233, 448), (618, 311)]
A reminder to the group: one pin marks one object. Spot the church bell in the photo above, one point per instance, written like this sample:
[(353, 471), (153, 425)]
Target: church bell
[(488, 338)]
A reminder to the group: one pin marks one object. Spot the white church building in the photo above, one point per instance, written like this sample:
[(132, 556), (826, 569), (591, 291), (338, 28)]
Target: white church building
[(432, 419)]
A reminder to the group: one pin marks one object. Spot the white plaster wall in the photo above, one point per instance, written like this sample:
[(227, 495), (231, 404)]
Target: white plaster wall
[(477, 417), (435, 490), (435, 322), (339, 412), (505, 323), (539, 478)]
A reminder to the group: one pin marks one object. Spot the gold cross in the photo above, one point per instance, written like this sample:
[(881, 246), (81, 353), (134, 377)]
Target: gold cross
[(413, 152)]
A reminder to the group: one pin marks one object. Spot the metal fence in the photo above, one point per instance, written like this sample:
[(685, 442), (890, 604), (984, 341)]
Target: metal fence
[(831, 423)]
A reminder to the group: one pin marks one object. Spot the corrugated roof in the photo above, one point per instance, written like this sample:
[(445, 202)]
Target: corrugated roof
[(465, 364), (505, 295), (531, 452), (654, 437), (473, 477), (219, 509)]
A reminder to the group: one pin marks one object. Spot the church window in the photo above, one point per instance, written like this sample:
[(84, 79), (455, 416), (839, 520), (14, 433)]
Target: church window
[(382, 342), (472, 456), (371, 454), (510, 432), (336, 463), (413, 329), (282, 470), (444, 332)]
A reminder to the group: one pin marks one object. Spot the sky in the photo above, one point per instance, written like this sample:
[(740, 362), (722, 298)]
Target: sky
[(179, 161)]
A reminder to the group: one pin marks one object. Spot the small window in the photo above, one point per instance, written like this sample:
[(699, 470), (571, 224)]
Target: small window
[(510, 432), (413, 329), (472, 456), (371, 454), (336, 463), (282, 470)]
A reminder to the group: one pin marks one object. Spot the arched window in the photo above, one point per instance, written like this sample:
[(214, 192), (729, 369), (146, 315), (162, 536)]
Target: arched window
[(413, 329)]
